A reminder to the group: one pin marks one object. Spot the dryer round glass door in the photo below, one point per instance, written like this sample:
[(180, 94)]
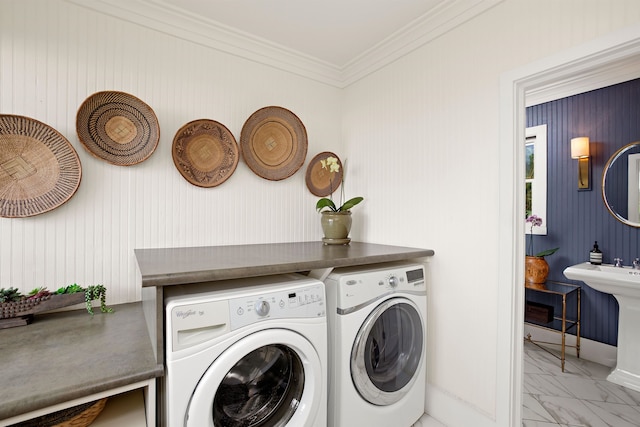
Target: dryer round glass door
[(388, 351), (268, 378)]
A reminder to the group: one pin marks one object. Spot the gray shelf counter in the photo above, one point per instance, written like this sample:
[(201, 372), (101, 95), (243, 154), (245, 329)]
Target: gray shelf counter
[(175, 266), (66, 356)]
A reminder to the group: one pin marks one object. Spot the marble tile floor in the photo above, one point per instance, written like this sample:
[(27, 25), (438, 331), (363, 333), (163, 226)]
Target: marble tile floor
[(579, 396)]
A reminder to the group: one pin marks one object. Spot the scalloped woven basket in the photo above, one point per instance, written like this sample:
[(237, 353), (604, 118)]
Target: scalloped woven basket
[(205, 152)]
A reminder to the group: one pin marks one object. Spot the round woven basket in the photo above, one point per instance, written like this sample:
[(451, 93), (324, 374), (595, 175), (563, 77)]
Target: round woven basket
[(274, 143), (205, 152), (77, 416), (319, 180)]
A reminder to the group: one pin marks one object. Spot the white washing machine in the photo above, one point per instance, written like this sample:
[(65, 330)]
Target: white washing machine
[(377, 345), (250, 352)]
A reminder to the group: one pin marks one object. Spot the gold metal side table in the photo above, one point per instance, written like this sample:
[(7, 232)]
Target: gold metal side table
[(560, 324)]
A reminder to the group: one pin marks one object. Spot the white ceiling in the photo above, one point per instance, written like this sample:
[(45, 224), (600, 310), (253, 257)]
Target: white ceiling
[(333, 31), (333, 41)]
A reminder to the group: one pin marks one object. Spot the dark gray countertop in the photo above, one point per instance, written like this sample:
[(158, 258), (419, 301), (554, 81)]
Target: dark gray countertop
[(69, 355), (171, 266)]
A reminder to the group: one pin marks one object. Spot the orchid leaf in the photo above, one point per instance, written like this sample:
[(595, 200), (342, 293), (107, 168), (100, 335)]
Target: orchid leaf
[(326, 203), (546, 253), (350, 203)]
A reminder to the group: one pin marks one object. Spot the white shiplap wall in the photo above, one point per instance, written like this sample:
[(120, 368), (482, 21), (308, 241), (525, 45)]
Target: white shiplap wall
[(431, 122), (53, 55)]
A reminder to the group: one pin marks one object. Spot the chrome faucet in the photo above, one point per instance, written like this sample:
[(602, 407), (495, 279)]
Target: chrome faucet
[(636, 264), (617, 262)]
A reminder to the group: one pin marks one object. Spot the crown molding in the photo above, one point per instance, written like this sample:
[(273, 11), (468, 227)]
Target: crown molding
[(194, 28), (442, 19)]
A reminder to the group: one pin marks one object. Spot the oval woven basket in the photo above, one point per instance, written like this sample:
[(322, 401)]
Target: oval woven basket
[(117, 127), (39, 168), (77, 416)]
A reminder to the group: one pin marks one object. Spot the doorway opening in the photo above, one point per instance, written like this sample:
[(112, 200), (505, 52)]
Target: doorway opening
[(612, 59)]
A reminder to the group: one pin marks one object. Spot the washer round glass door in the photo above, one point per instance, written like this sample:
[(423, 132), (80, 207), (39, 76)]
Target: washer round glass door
[(387, 352), (269, 378)]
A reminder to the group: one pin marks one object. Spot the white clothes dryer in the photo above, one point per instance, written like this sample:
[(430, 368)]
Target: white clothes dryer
[(249, 352), (377, 345)]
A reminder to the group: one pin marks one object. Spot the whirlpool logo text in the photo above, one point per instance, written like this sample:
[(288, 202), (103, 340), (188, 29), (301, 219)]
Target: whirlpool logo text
[(184, 314)]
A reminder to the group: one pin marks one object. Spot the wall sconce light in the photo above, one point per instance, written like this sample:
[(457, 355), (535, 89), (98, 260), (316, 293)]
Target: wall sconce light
[(580, 151)]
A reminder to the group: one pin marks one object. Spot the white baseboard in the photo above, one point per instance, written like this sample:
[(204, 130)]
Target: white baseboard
[(593, 351), (453, 411)]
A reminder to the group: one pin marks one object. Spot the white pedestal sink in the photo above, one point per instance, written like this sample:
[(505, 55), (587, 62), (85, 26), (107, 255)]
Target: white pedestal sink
[(624, 284)]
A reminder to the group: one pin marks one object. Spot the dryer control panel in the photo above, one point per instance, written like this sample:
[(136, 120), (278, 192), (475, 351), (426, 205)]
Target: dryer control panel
[(302, 302), (352, 288)]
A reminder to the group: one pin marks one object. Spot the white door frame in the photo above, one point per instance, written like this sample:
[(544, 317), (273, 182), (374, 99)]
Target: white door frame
[(607, 60)]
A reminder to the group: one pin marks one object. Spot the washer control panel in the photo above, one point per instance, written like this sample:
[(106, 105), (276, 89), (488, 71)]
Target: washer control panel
[(304, 302)]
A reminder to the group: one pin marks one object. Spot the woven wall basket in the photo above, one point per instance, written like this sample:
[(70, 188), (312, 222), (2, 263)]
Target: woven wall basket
[(319, 180), (39, 168), (274, 143), (205, 152), (117, 127)]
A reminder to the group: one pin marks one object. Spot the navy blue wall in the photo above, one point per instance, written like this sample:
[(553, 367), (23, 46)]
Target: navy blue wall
[(610, 117)]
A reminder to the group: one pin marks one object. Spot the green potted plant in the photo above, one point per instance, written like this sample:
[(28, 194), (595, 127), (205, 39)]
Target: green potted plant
[(91, 292), (336, 220), (18, 310)]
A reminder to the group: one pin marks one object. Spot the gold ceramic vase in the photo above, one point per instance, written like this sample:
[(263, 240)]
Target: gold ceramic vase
[(336, 227)]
